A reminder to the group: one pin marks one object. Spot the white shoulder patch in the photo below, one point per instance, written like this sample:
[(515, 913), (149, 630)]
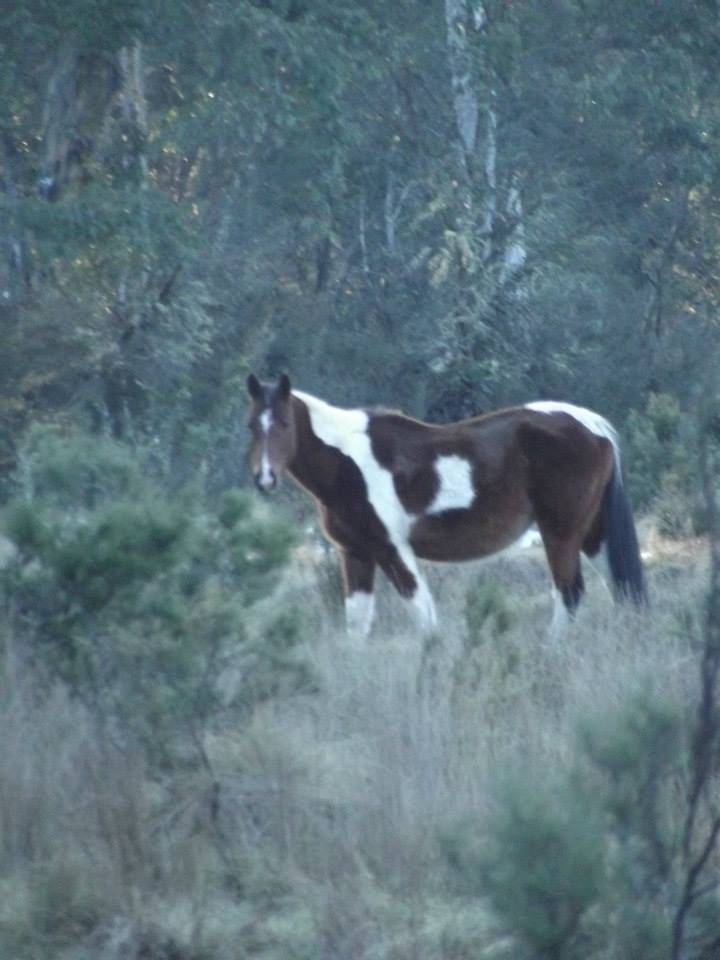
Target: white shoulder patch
[(333, 425), (456, 491), (346, 430), (588, 418)]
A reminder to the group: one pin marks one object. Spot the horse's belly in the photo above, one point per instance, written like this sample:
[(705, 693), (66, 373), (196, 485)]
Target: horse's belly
[(457, 535)]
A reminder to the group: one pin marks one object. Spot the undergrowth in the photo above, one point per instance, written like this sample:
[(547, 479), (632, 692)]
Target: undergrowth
[(198, 764)]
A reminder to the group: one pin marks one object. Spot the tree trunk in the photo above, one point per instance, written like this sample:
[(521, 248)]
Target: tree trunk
[(515, 253), (16, 273), (462, 18), (133, 107), (489, 211), (59, 122), (465, 102)]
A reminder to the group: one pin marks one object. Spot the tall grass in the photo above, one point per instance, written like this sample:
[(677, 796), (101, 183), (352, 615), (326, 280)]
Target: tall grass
[(317, 829)]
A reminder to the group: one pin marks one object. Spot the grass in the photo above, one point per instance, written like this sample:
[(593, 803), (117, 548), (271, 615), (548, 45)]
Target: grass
[(315, 829)]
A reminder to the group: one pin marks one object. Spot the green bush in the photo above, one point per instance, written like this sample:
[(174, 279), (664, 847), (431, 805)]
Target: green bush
[(660, 467), (543, 865), (487, 608), (140, 601), (588, 861)]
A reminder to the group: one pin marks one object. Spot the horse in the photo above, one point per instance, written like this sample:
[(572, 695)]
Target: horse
[(391, 489)]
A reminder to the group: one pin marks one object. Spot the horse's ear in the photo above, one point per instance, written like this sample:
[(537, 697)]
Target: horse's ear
[(255, 388), (284, 387)]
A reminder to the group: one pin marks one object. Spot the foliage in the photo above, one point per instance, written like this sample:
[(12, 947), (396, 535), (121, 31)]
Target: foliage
[(543, 867), (661, 473), (410, 802), (288, 185), (485, 603), (591, 861), (139, 602), (188, 190)]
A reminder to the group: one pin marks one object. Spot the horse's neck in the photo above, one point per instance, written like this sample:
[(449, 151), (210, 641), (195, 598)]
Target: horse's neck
[(307, 465), (318, 457)]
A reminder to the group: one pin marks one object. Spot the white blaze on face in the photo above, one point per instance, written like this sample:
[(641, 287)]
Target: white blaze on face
[(266, 475), (456, 491)]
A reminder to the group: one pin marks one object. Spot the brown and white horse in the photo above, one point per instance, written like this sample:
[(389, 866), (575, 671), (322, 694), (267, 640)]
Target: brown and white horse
[(391, 489)]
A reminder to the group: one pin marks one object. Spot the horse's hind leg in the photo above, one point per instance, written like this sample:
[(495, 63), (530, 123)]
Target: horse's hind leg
[(358, 581), (564, 561)]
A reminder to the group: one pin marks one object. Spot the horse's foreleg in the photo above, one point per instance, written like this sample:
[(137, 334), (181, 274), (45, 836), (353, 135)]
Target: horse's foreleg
[(358, 580)]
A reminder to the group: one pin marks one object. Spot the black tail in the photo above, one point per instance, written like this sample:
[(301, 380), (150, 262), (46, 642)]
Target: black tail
[(623, 550)]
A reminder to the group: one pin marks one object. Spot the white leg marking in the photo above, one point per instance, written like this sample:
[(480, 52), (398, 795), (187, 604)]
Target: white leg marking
[(560, 619), (456, 491), (422, 599), (359, 613), (425, 606)]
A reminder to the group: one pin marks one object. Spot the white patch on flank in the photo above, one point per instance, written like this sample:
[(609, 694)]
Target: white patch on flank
[(359, 612), (346, 430), (588, 418), (456, 490)]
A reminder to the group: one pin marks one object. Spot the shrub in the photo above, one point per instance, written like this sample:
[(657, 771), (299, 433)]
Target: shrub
[(543, 865), (139, 601), (588, 861), (660, 471)]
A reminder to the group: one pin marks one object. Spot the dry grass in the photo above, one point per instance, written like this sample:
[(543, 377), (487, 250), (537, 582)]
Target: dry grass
[(315, 831)]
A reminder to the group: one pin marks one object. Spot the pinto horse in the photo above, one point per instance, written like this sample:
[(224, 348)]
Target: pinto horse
[(391, 489)]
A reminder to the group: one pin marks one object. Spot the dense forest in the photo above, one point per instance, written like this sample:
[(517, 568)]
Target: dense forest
[(440, 207), (443, 206)]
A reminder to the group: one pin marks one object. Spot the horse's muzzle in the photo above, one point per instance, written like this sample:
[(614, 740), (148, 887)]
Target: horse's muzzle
[(266, 481)]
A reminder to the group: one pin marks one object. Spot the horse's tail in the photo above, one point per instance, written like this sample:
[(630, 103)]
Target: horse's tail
[(621, 541)]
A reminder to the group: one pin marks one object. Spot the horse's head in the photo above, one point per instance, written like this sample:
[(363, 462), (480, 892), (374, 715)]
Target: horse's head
[(272, 428)]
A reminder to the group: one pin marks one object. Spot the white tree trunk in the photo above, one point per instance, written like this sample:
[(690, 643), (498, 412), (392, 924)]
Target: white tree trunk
[(134, 105), (515, 252), (489, 211), (465, 101), (462, 18)]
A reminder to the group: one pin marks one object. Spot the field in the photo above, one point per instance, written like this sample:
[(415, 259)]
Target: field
[(364, 816)]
